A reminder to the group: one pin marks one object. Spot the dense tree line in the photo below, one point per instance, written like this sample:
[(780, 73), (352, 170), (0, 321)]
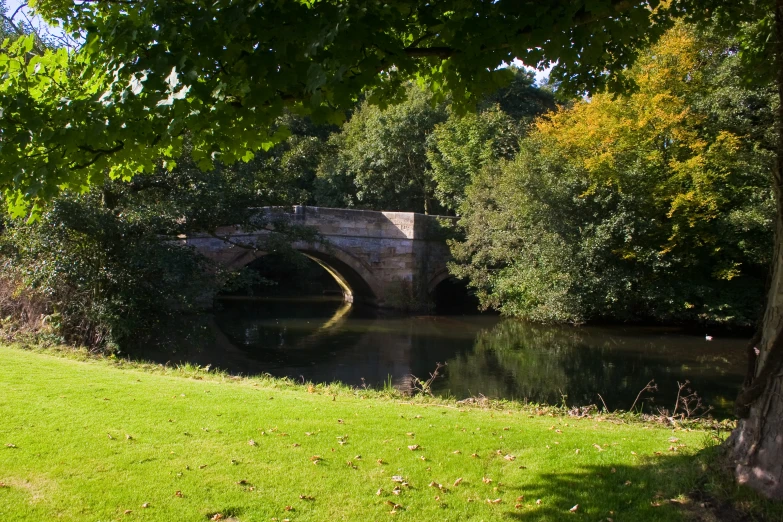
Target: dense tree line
[(652, 205)]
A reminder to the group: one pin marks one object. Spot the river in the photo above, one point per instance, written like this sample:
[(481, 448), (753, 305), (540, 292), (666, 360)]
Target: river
[(325, 340)]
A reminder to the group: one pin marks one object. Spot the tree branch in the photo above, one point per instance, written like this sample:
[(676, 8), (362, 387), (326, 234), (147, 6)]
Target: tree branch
[(425, 52), (98, 153)]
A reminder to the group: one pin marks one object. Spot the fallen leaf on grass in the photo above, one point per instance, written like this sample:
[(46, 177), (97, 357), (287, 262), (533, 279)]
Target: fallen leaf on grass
[(577, 452), (457, 452), (518, 506), (474, 455), (413, 447), (289, 508), (434, 484), (295, 445), (494, 501), (128, 511), (350, 464), (178, 494), (217, 516), (145, 505), (202, 466), (394, 506), (251, 442), (573, 509), (538, 502), (380, 462), (306, 497), (410, 434), (520, 498), (9, 445), (509, 457), (379, 492), (397, 478), (457, 482), (599, 448), (396, 490), (486, 480)]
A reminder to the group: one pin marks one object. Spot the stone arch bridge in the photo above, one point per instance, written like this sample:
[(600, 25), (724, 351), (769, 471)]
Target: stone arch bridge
[(387, 259)]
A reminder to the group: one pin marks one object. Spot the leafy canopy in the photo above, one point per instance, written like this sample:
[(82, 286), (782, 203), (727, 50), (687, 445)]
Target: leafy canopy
[(224, 70)]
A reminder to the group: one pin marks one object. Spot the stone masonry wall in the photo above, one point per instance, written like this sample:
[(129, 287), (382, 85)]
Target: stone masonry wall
[(387, 258)]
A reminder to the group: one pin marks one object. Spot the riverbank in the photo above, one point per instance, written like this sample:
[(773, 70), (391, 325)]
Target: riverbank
[(102, 439)]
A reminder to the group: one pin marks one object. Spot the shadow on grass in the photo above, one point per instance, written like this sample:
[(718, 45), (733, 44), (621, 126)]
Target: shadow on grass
[(632, 492), (692, 487)]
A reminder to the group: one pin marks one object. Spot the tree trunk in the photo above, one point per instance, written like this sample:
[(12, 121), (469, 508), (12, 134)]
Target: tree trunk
[(757, 443)]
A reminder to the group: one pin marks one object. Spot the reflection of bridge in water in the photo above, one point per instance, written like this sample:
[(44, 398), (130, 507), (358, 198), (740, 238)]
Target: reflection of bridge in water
[(389, 259), (341, 345)]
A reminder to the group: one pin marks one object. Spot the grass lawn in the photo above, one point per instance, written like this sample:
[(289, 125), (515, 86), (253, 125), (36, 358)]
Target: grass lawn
[(89, 441)]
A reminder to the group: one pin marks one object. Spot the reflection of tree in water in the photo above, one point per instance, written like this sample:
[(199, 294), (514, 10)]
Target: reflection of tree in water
[(539, 363)]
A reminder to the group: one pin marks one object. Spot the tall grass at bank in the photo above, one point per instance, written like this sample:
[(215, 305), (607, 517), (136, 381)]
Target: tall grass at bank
[(85, 440)]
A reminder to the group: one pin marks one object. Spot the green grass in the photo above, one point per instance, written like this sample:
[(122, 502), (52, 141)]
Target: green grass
[(91, 441)]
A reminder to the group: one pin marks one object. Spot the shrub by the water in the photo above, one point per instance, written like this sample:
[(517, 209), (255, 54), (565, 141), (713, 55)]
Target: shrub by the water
[(97, 278)]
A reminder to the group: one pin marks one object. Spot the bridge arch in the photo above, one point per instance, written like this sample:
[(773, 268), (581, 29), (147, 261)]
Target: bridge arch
[(437, 278), (355, 279)]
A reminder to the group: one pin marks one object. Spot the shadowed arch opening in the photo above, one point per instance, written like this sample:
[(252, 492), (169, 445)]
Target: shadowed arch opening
[(354, 281), (451, 295)]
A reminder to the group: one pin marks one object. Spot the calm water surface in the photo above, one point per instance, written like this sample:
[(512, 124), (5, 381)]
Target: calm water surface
[(327, 340)]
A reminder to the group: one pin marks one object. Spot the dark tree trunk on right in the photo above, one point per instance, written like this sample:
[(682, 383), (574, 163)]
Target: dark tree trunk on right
[(757, 443)]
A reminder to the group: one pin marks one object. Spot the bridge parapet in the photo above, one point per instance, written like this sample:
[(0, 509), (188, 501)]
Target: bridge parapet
[(364, 223)]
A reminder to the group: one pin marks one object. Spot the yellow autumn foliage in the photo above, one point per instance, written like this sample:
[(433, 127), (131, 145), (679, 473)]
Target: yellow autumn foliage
[(655, 130)]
